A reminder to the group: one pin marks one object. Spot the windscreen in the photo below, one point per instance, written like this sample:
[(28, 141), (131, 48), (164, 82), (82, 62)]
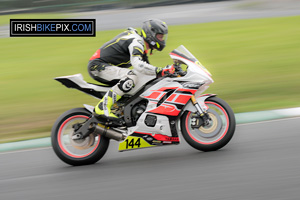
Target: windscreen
[(183, 52), (186, 52)]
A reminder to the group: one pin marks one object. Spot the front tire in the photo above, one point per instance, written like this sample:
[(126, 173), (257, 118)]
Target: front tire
[(76, 152), (215, 135)]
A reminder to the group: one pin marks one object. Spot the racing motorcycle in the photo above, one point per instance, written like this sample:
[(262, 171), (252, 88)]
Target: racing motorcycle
[(152, 114)]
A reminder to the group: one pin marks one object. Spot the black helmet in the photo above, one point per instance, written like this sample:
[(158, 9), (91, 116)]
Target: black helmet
[(155, 32)]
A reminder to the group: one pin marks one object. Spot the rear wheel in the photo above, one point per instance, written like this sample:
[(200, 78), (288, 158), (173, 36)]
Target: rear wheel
[(217, 133), (73, 151)]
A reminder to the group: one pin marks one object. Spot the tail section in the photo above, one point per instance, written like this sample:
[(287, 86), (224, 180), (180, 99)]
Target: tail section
[(76, 81)]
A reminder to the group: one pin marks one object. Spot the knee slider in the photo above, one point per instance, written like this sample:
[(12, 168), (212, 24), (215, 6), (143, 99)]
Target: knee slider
[(126, 84)]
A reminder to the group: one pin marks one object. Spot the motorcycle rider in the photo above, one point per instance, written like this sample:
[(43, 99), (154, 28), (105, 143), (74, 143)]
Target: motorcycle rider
[(110, 63)]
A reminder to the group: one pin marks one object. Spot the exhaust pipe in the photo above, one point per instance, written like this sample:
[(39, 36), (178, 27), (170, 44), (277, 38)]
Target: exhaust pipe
[(109, 133)]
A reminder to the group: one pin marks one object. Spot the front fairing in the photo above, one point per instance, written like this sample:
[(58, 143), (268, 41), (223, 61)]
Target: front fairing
[(196, 72)]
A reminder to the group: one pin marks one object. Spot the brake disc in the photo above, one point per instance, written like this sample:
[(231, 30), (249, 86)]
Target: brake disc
[(82, 143), (213, 123), (213, 128)]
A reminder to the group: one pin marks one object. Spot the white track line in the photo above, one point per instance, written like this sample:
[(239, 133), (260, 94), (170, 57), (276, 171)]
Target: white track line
[(25, 150), (268, 121)]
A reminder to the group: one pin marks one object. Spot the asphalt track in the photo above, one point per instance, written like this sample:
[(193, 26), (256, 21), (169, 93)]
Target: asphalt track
[(260, 163)]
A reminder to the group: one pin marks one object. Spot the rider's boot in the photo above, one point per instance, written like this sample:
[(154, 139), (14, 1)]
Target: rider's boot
[(103, 108)]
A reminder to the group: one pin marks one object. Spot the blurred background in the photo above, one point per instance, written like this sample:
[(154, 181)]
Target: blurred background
[(251, 47), (25, 6)]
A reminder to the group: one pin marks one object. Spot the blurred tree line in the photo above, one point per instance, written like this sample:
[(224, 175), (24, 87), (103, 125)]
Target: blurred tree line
[(18, 6)]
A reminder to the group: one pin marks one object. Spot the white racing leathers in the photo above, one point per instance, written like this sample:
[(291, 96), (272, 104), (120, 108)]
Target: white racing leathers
[(110, 63)]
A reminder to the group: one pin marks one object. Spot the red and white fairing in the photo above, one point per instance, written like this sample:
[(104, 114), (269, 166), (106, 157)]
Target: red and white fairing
[(179, 100)]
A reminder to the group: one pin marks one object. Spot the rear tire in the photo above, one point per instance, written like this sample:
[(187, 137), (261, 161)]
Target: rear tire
[(217, 134), (76, 152)]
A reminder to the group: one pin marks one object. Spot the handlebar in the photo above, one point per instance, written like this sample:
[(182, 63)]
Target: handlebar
[(178, 71)]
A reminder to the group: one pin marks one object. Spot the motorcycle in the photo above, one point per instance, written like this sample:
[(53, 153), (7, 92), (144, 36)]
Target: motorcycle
[(152, 114)]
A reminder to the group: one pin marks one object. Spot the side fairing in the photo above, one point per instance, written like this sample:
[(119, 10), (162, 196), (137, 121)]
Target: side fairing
[(167, 97)]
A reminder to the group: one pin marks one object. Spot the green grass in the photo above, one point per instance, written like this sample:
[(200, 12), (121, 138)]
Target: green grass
[(255, 66), (5, 19)]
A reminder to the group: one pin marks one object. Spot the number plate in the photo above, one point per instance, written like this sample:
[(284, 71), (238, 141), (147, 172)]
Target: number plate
[(132, 142)]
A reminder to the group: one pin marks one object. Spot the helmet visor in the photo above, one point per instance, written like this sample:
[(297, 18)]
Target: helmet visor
[(162, 37)]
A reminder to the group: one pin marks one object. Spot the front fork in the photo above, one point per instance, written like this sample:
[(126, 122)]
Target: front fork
[(202, 118)]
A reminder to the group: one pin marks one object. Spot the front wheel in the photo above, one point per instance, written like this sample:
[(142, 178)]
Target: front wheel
[(217, 133), (76, 152)]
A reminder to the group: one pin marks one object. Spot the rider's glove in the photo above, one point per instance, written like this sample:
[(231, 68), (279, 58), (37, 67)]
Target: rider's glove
[(169, 69)]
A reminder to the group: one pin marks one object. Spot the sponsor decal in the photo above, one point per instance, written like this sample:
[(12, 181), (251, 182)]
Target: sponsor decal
[(141, 42), (156, 141)]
